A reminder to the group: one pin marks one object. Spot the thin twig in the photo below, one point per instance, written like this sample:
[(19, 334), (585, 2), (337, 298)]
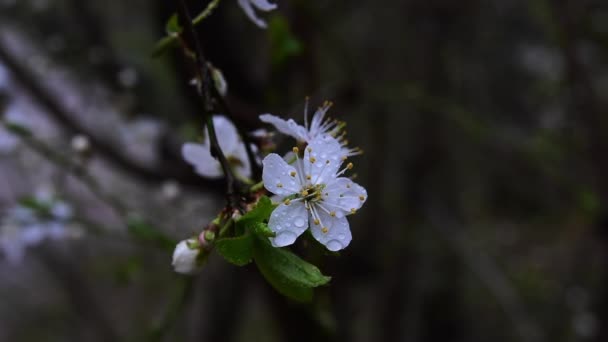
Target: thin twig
[(204, 91)]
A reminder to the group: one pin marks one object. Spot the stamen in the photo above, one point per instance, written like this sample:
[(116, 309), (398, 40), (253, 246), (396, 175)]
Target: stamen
[(332, 213), (353, 210), (313, 160), (324, 230), (279, 185), (362, 198), (304, 193), (287, 201), (292, 173), (296, 150), (316, 221), (308, 177)]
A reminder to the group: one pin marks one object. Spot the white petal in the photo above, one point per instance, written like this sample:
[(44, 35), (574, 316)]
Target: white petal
[(288, 222), (287, 127), (344, 195), (250, 12), (322, 159), (337, 235), (198, 155), (263, 5), (243, 167), (227, 134), (277, 176)]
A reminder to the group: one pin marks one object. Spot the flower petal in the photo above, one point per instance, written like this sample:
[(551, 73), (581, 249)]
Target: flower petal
[(247, 7), (344, 195), (263, 5), (244, 167), (332, 231), (227, 134), (277, 176), (322, 159), (287, 127), (198, 155), (288, 222)]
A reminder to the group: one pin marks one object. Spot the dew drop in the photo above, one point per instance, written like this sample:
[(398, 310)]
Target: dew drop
[(299, 222), (334, 245)]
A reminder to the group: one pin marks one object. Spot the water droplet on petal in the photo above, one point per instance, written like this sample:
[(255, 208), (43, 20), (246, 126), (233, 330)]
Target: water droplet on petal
[(334, 245), (299, 222)]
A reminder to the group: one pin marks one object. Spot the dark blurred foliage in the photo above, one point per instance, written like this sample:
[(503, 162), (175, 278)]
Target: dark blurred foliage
[(486, 160)]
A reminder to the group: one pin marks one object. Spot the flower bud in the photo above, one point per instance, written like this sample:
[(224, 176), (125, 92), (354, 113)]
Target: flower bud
[(185, 257)]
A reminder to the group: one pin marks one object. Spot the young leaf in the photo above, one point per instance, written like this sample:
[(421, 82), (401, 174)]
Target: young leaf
[(172, 26), (286, 272), (258, 214), (262, 229), (236, 250)]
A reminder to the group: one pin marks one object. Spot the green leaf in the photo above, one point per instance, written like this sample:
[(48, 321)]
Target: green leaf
[(17, 129), (146, 232), (163, 45), (257, 215), (283, 44), (262, 229), (236, 250), (286, 272), (172, 26)]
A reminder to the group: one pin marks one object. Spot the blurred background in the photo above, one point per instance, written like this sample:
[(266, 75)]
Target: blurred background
[(486, 159)]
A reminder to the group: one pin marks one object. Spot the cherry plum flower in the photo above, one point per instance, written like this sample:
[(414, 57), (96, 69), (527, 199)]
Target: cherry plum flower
[(262, 5), (199, 155), (314, 195), (320, 125)]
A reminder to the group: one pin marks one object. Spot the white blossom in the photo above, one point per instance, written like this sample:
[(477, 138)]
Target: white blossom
[(185, 257), (262, 5), (24, 227), (319, 126), (314, 195), (199, 155)]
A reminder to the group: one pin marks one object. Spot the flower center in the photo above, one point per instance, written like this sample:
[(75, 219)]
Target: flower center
[(312, 193)]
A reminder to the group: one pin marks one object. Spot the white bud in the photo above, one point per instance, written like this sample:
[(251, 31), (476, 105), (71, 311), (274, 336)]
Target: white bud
[(219, 81), (185, 257), (80, 143)]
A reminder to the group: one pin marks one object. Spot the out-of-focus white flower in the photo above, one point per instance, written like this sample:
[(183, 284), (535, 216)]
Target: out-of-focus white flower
[(319, 126), (170, 190), (80, 143), (262, 5), (127, 77), (199, 155), (314, 195), (23, 227), (185, 257)]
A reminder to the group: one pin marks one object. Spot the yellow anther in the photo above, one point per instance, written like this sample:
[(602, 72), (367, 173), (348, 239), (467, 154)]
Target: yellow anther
[(308, 177), (324, 230), (343, 158), (304, 193), (316, 221), (361, 197), (287, 201), (295, 150), (309, 149), (292, 173), (279, 185), (348, 186), (353, 210), (313, 159), (350, 166), (332, 213), (327, 161)]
